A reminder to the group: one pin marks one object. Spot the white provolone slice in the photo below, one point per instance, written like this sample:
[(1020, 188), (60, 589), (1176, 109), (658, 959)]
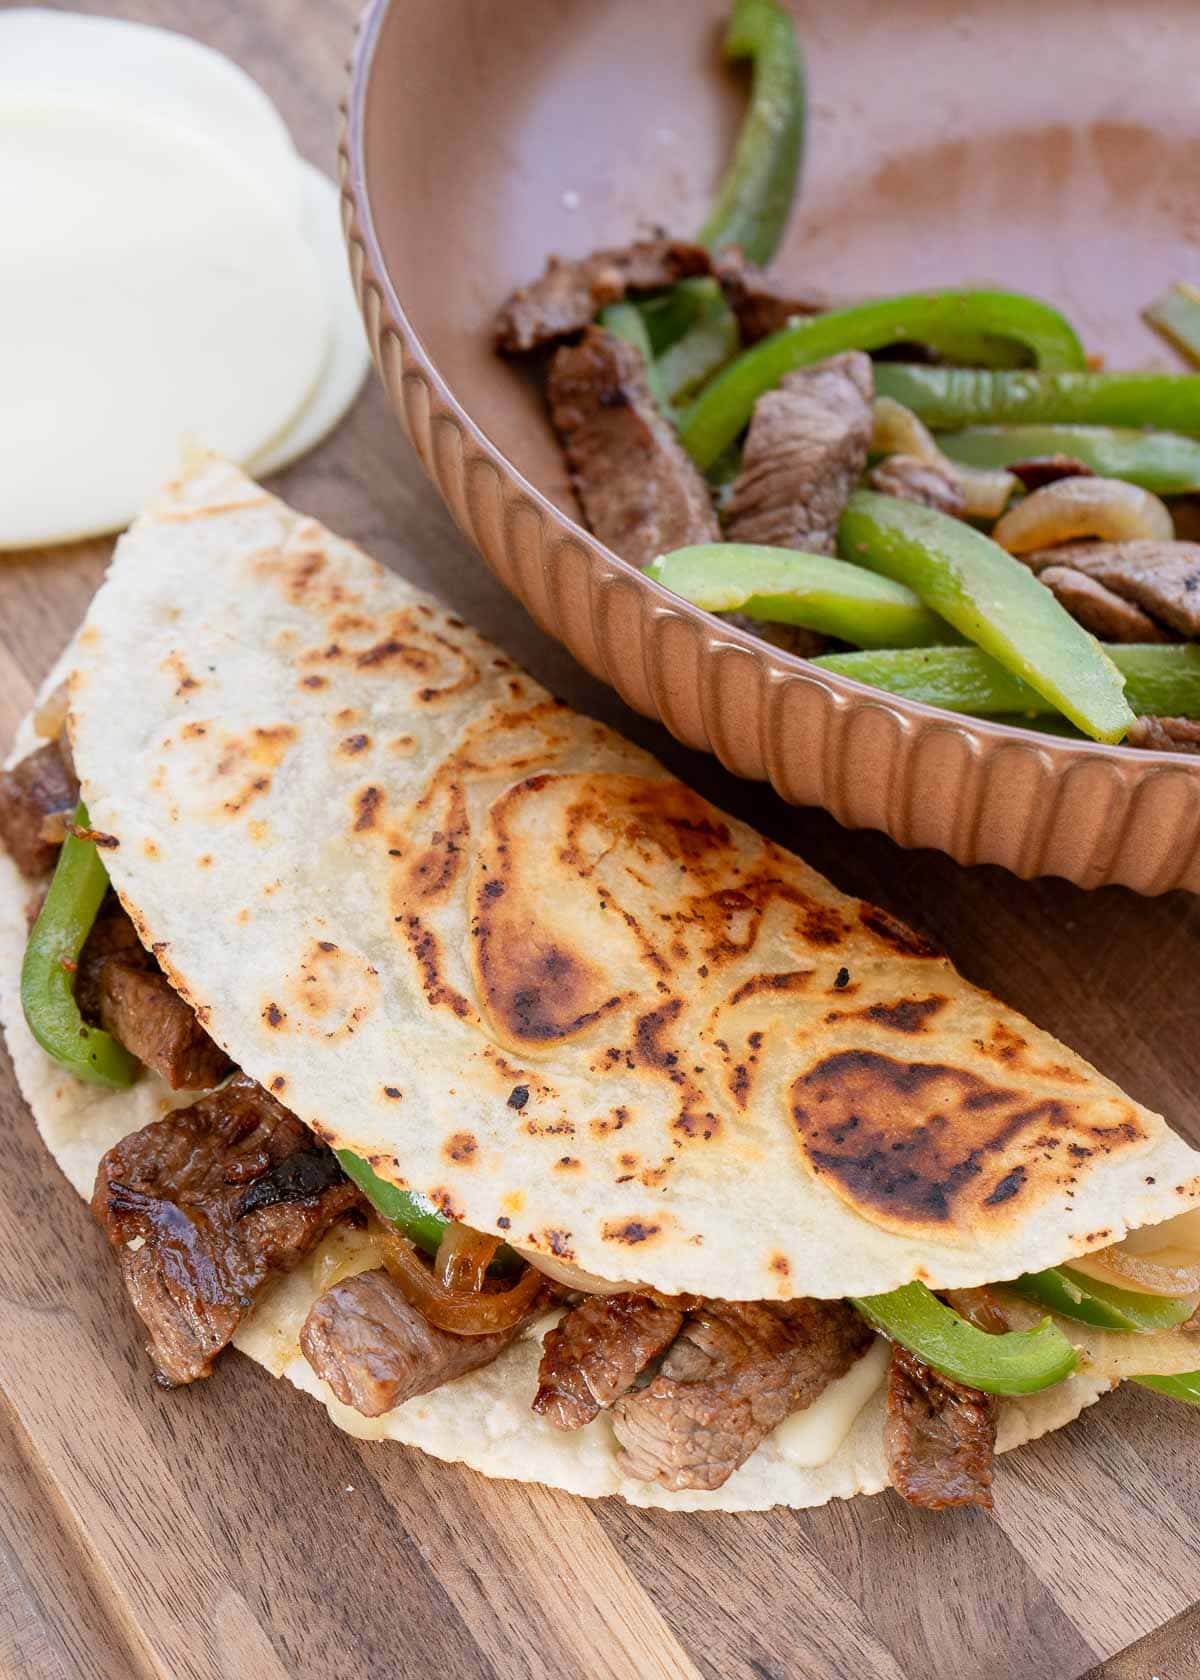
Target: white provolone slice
[(151, 295), (159, 74), (811, 1437), (348, 357)]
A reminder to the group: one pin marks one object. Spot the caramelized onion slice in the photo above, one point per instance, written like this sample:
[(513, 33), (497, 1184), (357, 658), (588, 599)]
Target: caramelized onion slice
[(1106, 508), (574, 1278), (463, 1258), (1158, 1259), (986, 491), (463, 1315)]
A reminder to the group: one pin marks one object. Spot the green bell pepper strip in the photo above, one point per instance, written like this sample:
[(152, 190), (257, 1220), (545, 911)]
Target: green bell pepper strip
[(1162, 679), (1016, 1362), (413, 1215), (624, 320), (670, 314), (755, 197), (1163, 462), (935, 318), (948, 398), (1176, 317), (48, 970), (1186, 1386), (993, 600), (1073, 1294), (782, 586), (702, 351)]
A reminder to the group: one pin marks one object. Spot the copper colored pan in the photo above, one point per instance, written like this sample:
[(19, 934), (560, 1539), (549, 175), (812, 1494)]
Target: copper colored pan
[(1053, 147)]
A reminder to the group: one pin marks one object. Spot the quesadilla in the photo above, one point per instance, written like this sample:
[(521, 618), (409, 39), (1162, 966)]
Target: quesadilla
[(431, 1044)]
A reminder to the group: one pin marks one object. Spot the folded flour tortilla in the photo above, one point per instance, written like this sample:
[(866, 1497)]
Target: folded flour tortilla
[(493, 948)]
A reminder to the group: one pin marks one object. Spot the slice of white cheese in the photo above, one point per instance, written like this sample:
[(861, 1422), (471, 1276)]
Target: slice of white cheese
[(811, 1437), (159, 74), (348, 357), (151, 295)]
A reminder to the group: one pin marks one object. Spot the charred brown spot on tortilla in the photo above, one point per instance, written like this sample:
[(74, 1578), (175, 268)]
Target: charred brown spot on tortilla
[(894, 934), (352, 745), (427, 952), (780, 1265), (273, 1015), (367, 803), (393, 1093), (460, 1147), (314, 680), (916, 1144), (518, 1096), (791, 980), (630, 1231), (175, 667), (444, 1202), (97, 836), (908, 1015), (824, 926), (278, 1083), (333, 989)]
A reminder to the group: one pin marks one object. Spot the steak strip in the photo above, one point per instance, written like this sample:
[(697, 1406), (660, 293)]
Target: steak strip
[(376, 1351), (42, 785), (761, 307), (640, 493), (1163, 578), (805, 450), (120, 987), (597, 1351), (1165, 734), (567, 296), (940, 1437), (182, 1185), (923, 482), (1104, 614), (736, 1370)]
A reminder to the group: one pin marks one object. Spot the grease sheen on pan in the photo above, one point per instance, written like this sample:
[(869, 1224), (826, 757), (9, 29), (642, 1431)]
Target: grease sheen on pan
[(497, 950)]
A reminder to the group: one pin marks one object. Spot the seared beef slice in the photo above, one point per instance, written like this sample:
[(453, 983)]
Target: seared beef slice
[(217, 1195), (376, 1351), (940, 1437), (596, 1353), (36, 788), (568, 294), (1165, 734), (737, 1369), (1101, 612), (640, 492), (762, 307), (120, 987), (1163, 578), (805, 451)]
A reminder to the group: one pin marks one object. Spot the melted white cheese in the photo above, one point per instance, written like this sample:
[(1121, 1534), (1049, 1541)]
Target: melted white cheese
[(811, 1437)]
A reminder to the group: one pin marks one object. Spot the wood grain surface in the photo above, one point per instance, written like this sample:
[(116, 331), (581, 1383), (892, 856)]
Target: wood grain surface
[(230, 1533)]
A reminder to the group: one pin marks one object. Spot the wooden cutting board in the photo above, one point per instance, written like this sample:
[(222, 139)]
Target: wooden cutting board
[(230, 1533)]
